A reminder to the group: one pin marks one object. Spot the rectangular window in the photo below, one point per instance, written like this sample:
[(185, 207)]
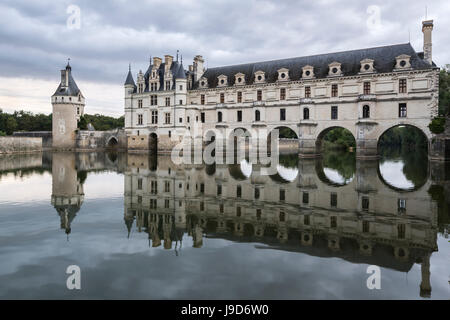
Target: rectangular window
[(140, 119), (140, 88), (188, 119), (238, 211), (167, 203), (166, 186), (333, 200), (402, 110), (256, 193), (305, 199), (239, 97), (202, 117), (140, 103), (153, 204), (306, 220), (333, 222), (402, 86), (219, 116), (401, 206), (181, 102), (202, 188), (366, 226), (334, 112), (259, 95), (365, 203), (167, 85), (282, 114), (202, 99), (283, 94), (222, 98), (139, 184), (239, 116), (334, 90), (167, 118), (168, 102), (366, 87), (154, 187), (238, 191), (181, 87), (219, 189), (154, 117), (258, 214), (221, 208), (282, 195), (307, 92), (180, 120), (401, 229), (153, 100)]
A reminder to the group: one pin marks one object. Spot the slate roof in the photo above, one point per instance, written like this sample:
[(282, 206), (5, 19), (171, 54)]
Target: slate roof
[(129, 79), (177, 69), (72, 88), (384, 61)]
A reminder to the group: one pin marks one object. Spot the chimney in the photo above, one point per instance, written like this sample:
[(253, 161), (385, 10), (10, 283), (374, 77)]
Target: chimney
[(156, 62), (198, 67), (168, 59), (427, 29)]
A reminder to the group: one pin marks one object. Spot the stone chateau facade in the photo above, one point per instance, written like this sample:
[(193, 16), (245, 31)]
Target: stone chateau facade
[(366, 91)]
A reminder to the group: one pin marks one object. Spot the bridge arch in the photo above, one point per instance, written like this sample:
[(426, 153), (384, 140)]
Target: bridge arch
[(425, 133), (112, 142), (153, 142), (320, 137)]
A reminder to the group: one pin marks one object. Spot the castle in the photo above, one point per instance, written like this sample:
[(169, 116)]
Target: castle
[(366, 91)]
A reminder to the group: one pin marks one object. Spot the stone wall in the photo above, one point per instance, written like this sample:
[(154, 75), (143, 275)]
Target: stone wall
[(20, 145), (45, 135)]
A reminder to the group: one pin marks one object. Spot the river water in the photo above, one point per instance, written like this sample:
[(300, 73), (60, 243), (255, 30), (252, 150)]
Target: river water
[(142, 227)]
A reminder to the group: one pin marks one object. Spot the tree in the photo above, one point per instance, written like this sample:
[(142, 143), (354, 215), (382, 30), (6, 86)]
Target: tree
[(444, 90), (11, 125)]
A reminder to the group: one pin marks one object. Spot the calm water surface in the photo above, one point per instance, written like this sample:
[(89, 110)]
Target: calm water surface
[(143, 227)]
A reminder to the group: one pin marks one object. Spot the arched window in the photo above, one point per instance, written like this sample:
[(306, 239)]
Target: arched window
[(366, 111), (219, 116), (305, 113), (257, 115)]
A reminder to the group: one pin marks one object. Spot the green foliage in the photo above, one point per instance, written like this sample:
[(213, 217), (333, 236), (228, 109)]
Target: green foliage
[(444, 91), (2, 133), (27, 121), (100, 122), (24, 121), (406, 137), (437, 125), (287, 133), (339, 138), (342, 162)]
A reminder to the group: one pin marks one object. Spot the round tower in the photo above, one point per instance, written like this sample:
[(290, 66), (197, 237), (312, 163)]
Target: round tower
[(68, 106)]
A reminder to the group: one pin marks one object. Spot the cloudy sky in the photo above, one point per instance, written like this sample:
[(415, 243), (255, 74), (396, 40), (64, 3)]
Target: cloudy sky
[(37, 37)]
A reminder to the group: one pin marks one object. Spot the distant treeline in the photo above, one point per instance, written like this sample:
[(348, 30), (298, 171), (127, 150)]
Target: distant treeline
[(28, 121)]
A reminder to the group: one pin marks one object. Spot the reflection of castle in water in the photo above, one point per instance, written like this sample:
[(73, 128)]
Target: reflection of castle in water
[(363, 221)]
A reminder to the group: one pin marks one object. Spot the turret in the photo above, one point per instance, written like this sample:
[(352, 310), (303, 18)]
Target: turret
[(68, 106)]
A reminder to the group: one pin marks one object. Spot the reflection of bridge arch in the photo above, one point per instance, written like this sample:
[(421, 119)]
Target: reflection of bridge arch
[(402, 190)]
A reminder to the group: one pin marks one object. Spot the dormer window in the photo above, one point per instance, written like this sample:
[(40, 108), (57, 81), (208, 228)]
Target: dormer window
[(222, 80), (260, 77), (308, 72), (239, 79), (403, 62), (334, 69), (203, 82), (367, 66), (283, 74)]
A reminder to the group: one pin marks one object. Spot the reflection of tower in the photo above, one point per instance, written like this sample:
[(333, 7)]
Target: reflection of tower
[(67, 190), (425, 285)]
